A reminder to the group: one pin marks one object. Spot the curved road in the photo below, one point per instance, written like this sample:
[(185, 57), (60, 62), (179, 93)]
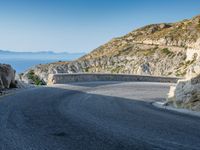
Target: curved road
[(94, 116)]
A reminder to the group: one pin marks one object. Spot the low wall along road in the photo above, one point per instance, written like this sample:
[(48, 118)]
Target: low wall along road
[(85, 77)]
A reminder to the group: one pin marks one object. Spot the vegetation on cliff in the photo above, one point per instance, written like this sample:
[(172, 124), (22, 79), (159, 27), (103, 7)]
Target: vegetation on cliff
[(36, 80)]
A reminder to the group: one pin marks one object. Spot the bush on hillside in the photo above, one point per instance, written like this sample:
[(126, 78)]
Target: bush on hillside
[(36, 80)]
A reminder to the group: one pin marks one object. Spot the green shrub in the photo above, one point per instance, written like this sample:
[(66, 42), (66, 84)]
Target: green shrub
[(87, 69), (116, 69), (148, 52), (36, 80), (189, 62), (180, 73), (166, 51)]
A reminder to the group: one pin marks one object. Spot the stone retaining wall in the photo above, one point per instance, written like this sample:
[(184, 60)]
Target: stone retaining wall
[(84, 77)]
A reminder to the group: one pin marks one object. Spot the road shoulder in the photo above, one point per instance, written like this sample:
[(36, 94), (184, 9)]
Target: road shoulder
[(180, 110)]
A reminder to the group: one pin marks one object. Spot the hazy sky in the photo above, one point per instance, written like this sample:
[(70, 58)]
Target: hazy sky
[(81, 25)]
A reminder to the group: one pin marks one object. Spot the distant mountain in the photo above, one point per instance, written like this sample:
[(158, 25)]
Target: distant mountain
[(39, 52), (39, 55)]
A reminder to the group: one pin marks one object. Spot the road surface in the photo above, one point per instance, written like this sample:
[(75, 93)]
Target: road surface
[(95, 116)]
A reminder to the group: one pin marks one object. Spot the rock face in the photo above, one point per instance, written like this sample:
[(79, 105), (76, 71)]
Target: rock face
[(7, 76), (186, 94), (42, 71), (158, 49)]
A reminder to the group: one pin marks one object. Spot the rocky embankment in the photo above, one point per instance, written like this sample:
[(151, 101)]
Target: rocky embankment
[(167, 49), (7, 77)]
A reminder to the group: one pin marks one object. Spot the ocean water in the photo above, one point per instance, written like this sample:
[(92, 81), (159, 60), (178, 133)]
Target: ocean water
[(21, 65), (23, 61)]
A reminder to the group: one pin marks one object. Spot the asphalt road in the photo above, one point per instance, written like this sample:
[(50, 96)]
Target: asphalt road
[(95, 116)]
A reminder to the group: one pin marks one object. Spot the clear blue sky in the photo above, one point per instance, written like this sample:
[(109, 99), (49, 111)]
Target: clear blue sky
[(81, 25)]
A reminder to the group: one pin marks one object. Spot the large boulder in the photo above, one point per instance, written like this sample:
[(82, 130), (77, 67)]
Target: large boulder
[(186, 94), (7, 76)]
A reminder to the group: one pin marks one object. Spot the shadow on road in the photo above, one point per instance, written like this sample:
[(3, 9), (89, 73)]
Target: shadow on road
[(91, 84), (57, 118)]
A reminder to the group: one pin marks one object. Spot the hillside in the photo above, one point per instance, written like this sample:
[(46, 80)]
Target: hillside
[(166, 49)]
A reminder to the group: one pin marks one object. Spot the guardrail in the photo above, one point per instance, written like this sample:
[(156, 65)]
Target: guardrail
[(86, 77)]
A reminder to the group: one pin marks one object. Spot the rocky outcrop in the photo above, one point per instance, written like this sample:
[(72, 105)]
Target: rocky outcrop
[(158, 49), (7, 76), (42, 71), (186, 94)]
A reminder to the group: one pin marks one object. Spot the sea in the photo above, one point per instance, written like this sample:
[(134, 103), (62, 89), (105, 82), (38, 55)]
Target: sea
[(24, 62)]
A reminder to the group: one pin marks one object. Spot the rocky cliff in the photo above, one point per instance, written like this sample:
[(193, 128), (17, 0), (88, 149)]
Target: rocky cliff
[(7, 76), (167, 49)]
